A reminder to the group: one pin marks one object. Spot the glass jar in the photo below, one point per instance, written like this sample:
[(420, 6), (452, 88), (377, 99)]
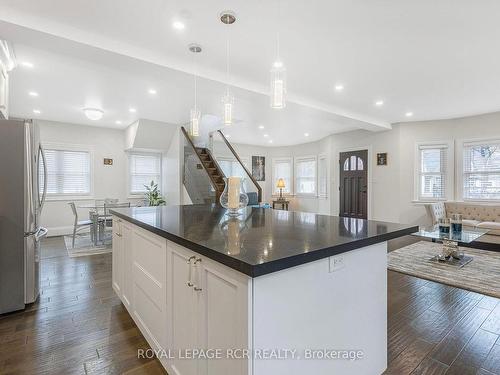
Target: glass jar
[(444, 225), (456, 223), (234, 197)]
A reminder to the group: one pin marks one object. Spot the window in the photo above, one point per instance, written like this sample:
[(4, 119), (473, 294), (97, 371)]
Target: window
[(231, 166), (433, 168), (481, 171), (305, 175), (323, 176), (143, 168), (68, 172), (282, 168)]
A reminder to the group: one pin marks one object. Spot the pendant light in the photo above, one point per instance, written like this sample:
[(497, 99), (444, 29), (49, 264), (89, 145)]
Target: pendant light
[(228, 18), (278, 76), (195, 114)]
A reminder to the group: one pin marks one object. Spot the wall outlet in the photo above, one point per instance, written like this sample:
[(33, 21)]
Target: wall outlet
[(337, 263)]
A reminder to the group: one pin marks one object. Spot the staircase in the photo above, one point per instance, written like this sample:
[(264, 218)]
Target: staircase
[(213, 170)]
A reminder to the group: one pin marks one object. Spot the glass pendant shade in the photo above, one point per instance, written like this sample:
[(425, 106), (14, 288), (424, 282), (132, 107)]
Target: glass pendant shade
[(195, 122), (278, 86), (228, 102)]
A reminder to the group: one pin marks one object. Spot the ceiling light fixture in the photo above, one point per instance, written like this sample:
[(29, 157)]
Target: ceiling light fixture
[(278, 74), (118, 122), (36, 111), (261, 126), (339, 87), (27, 64), (132, 110), (178, 25), (33, 94), (266, 135), (152, 91), (379, 103), (306, 134), (228, 18), (93, 114), (195, 113), (409, 114), (270, 141)]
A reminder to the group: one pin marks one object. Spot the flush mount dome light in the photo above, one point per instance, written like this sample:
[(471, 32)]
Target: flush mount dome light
[(93, 114)]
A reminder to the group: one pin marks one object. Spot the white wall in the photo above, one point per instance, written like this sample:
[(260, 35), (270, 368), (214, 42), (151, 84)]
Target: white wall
[(108, 181)]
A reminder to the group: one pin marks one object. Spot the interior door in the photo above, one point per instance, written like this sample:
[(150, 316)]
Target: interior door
[(354, 184)]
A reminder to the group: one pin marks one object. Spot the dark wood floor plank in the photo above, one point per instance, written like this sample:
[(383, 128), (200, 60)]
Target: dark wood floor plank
[(430, 366), (492, 324), (477, 350), (410, 358), (492, 363), (451, 346)]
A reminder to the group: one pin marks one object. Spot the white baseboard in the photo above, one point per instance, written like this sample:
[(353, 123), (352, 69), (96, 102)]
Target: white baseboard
[(60, 231)]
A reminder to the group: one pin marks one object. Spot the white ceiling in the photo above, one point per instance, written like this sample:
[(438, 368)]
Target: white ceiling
[(435, 59)]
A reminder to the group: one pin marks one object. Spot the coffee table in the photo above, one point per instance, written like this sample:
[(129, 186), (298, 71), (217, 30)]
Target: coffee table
[(450, 251)]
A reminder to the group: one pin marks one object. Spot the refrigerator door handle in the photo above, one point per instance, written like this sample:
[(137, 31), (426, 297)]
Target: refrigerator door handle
[(41, 200), (40, 233)]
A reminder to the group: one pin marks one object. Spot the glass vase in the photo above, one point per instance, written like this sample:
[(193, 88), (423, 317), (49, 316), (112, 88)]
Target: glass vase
[(233, 207)]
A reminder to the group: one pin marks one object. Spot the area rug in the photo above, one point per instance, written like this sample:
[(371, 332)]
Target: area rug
[(84, 246), (482, 275)]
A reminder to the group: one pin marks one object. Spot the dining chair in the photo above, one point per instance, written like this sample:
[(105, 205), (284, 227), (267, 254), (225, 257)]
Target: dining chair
[(81, 224), (108, 221)]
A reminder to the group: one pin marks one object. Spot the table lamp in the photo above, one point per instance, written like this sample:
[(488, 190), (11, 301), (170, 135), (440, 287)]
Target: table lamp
[(281, 185)]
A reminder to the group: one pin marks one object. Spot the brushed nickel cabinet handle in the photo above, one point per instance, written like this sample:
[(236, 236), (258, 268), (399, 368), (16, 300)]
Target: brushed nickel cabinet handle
[(196, 288), (190, 272)]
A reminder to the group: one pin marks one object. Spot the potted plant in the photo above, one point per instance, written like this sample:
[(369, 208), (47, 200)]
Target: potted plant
[(153, 195)]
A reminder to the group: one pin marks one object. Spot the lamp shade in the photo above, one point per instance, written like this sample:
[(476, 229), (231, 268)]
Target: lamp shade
[(281, 183)]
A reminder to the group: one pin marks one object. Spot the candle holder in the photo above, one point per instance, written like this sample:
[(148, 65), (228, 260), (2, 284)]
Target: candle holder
[(233, 201)]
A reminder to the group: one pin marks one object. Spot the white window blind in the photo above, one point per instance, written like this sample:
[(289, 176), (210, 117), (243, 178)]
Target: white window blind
[(232, 168), (68, 172), (433, 164), (323, 176), (481, 171), (305, 175), (143, 168), (282, 168)]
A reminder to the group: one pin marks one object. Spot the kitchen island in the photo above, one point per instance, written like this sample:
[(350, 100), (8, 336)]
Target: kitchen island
[(270, 292)]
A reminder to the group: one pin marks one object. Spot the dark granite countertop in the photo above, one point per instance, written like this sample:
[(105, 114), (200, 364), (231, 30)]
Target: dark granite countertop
[(262, 240)]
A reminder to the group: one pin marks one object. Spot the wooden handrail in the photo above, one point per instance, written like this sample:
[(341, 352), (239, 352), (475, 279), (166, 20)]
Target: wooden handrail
[(212, 181), (259, 189)]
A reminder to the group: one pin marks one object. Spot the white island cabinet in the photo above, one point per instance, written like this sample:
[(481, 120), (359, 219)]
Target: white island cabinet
[(182, 301), (185, 302)]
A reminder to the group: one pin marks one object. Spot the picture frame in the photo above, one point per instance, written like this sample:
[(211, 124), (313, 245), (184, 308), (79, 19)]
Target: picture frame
[(382, 158)]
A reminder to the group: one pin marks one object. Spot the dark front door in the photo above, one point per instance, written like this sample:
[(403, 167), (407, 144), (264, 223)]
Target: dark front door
[(354, 184)]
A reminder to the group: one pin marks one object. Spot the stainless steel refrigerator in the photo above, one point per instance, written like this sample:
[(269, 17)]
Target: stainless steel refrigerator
[(23, 188)]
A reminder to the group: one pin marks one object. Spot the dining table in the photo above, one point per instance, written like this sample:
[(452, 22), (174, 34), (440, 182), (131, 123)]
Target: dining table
[(99, 218)]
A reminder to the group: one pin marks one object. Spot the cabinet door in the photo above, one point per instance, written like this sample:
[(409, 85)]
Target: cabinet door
[(117, 257), (183, 309), (127, 286), (223, 315)]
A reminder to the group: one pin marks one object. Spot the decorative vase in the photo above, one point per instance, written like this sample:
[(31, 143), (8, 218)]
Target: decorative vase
[(233, 198)]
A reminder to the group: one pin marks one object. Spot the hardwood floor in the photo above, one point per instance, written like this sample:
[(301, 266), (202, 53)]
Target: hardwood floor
[(80, 327)]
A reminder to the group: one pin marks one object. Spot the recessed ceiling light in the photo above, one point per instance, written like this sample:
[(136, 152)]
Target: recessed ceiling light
[(339, 87), (266, 135), (261, 126), (27, 64), (409, 114), (178, 25), (33, 93), (270, 141), (132, 110), (118, 122), (36, 111), (379, 103), (93, 114), (152, 91), (306, 134)]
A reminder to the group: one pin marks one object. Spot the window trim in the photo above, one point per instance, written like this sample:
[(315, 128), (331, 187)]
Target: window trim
[(72, 148), (449, 175), (323, 157), (298, 159), (287, 159), (131, 194), (460, 168)]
